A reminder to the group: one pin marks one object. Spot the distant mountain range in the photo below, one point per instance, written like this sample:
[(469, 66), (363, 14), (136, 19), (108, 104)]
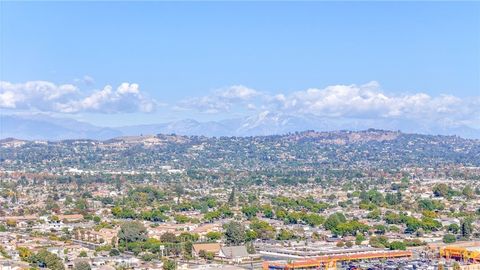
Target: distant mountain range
[(42, 127)]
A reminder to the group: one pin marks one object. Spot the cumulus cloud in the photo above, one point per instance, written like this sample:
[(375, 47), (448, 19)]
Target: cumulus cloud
[(350, 101), (342, 101), (368, 101), (37, 94), (67, 98), (222, 100), (237, 92)]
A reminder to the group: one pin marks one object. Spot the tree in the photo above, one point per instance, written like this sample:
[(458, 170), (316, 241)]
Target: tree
[(82, 265), (168, 265), (250, 211), (399, 196), (375, 197), (24, 253), (148, 257), (267, 211), (132, 231), (453, 228), (234, 233), (333, 221), (397, 245), (231, 198), (378, 242), (186, 236), (293, 217), (413, 224), (449, 238), (441, 190), (188, 248), (374, 214), (429, 214), (431, 205), (364, 196), (179, 190), (466, 227), (209, 255), (285, 235), (181, 219), (468, 192), (430, 224), (392, 218), (380, 229), (393, 199), (394, 228), (359, 238), (83, 254), (251, 235), (280, 213), (251, 248), (48, 259), (168, 237), (350, 228), (262, 229), (213, 236), (114, 252), (313, 219)]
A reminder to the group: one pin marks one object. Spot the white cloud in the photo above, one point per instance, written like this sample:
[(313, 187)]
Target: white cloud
[(237, 92), (347, 101), (126, 98), (368, 101), (338, 100), (222, 100), (67, 98), (351, 101), (37, 94), (86, 79)]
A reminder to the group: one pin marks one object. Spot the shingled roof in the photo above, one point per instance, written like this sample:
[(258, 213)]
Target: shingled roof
[(234, 252)]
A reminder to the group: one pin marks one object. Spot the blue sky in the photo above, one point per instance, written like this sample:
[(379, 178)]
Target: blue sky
[(218, 60)]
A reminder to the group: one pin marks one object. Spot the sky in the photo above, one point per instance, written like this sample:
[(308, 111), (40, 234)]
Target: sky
[(122, 63)]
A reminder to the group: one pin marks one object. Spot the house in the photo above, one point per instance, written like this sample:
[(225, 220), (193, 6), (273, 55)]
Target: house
[(174, 228), (202, 230), (103, 236), (106, 267), (13, 265), (127, 261), (207, 247), (235, 254), (72, 264), (70, 218), (108, 235)]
